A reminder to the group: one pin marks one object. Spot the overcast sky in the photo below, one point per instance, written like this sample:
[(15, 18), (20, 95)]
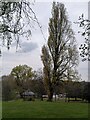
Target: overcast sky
[(31, 50)]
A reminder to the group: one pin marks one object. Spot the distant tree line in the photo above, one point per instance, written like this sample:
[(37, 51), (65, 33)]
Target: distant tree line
[(78, 90), (35, 83)]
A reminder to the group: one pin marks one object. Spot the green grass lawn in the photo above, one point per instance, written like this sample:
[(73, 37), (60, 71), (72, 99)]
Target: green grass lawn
[(43, 109), (0, 109)]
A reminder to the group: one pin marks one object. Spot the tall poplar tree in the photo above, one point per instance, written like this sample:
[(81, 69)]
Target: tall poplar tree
[(60, 55)]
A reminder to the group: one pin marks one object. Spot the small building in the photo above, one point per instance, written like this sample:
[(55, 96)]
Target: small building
[(62, 95), (28, 95)]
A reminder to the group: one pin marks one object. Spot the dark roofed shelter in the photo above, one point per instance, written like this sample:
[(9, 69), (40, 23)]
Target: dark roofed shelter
[(29, 95)]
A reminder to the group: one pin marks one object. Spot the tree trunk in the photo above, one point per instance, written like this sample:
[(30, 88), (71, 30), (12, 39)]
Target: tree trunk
[(20, 95), (55, 97), (75, 98), (50, 95), (41, 98)]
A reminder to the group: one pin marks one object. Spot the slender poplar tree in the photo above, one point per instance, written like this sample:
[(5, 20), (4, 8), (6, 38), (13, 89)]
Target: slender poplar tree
[(60, 55)]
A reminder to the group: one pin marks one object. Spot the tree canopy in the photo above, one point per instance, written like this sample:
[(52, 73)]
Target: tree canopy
[(22, 74)]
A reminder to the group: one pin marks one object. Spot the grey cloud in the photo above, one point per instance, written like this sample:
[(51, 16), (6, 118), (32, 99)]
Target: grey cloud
[(28, 47)]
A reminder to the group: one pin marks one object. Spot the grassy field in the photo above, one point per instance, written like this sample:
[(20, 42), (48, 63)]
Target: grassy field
[(43, 109), (0, 109)]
